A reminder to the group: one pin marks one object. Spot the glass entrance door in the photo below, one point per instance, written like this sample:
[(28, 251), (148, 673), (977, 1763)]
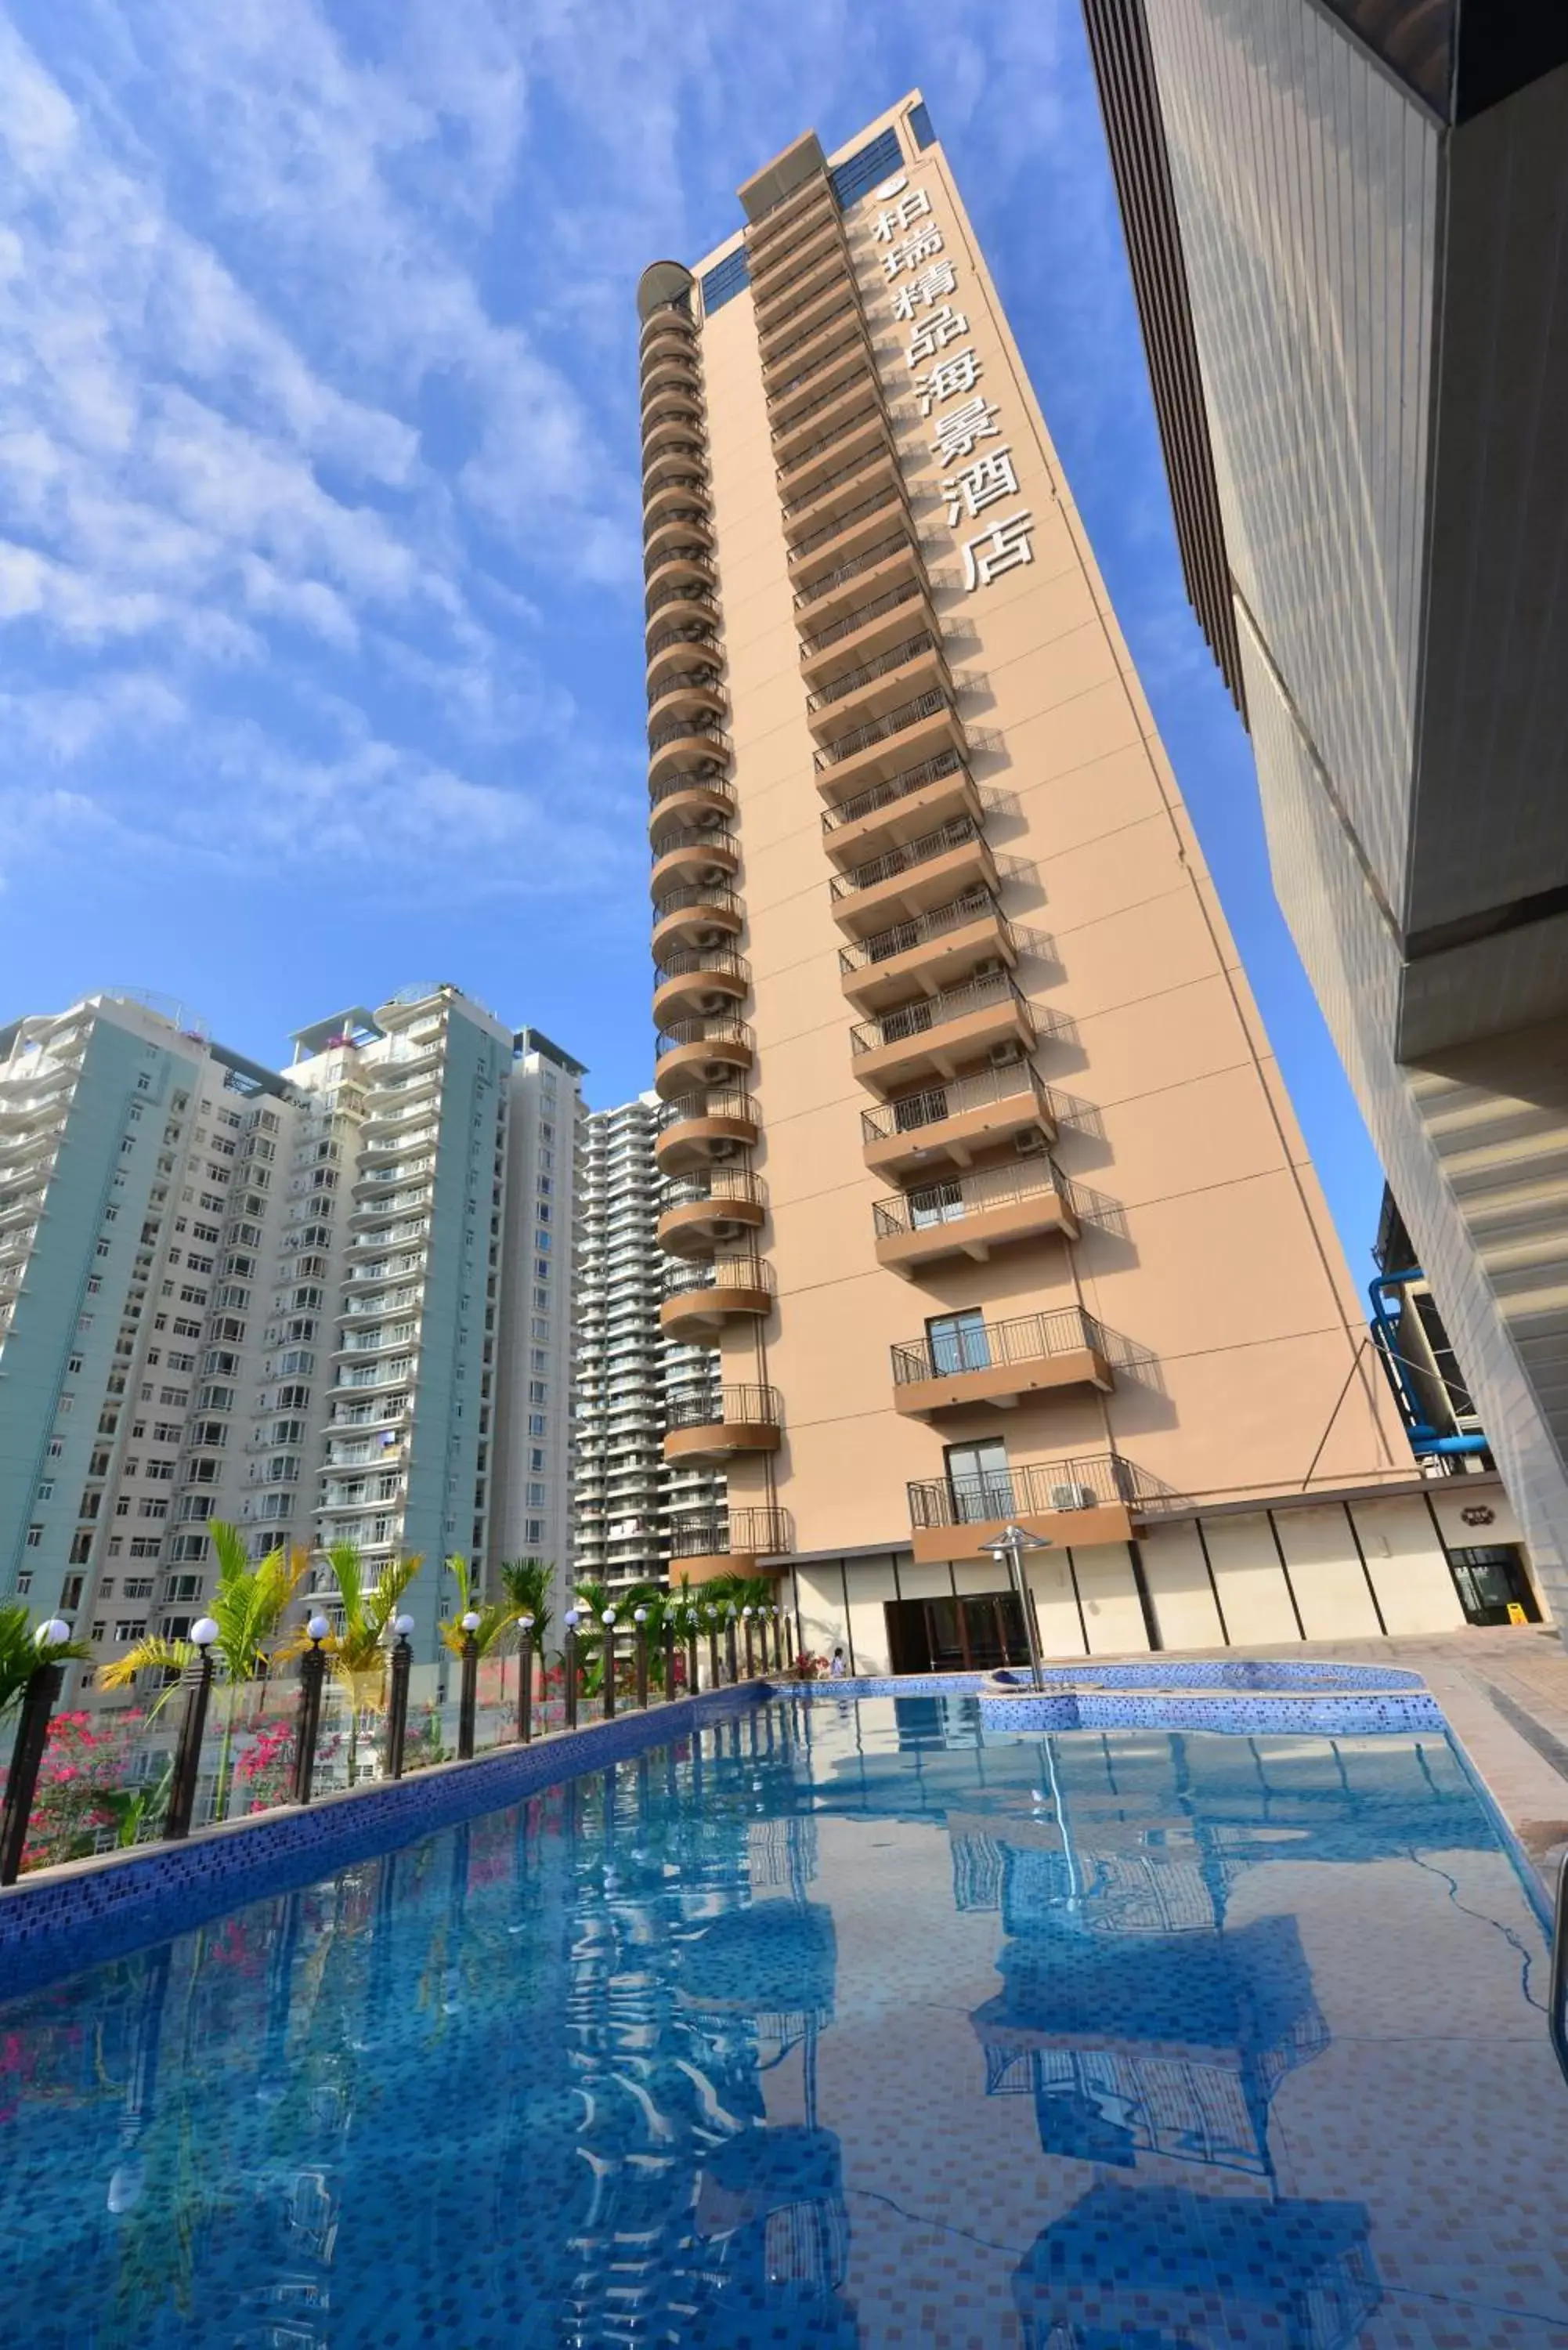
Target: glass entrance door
[(1490, 1581)]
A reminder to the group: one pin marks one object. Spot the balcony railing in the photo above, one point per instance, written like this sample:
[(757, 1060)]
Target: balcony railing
[(738, 1106), (719, 1030), (667, 517), (714, 1186), (695, 633), (683, 730), (769, 226), (957, 833), (934, 1104), (993, 1345), (732, 1534), (688, 591), (935, 1012), (756, 1407), (848, 307), (970, 906), (703, 894), (959, 1197), (699, 560), (897, 787), (750, 1273), (897, 543), (1031, 1489), (713, 838), (898, 656), (852, 340), (775, 321), (872, 409), (716, 786), (693, 962), (929, 704), (665, 457)]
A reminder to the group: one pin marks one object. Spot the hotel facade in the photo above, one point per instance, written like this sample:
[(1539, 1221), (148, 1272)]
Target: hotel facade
[(978, 1170)]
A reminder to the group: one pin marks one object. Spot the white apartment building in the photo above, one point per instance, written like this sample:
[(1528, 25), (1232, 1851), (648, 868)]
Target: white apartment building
[(632, 1513), (276, 1299)]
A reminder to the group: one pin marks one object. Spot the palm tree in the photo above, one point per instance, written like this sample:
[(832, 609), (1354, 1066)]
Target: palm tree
[(357, 1656), (496, 1616), (249, 1604), (20, 1654), (526, 1582)]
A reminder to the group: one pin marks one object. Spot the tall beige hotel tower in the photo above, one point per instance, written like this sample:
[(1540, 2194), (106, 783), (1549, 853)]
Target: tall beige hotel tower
[(978, 1169)]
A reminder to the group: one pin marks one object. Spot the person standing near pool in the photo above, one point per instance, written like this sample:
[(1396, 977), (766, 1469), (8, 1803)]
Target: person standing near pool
[(838, 1669)]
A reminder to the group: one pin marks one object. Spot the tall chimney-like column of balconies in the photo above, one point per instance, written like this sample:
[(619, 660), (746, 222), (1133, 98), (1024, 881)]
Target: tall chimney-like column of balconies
[(941, 1037), (714, 1203)]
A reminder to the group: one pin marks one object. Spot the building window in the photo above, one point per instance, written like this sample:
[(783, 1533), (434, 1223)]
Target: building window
[(874, 162), (727, 278), (25, 1582)]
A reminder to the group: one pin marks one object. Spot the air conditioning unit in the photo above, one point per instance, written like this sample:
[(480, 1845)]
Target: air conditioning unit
[(987, 967), (1072, 1497), (710, 1004), (1002, 1057), (1031, 1143), (724, 1149)]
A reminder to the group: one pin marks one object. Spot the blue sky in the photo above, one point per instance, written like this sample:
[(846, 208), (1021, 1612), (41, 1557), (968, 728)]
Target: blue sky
[(320, 629)]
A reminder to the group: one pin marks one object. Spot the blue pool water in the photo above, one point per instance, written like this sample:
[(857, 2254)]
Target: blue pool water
[(844, 2023)]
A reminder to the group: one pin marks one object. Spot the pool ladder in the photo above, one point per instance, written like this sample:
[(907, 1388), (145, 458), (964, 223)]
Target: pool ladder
[(1557, 1988)]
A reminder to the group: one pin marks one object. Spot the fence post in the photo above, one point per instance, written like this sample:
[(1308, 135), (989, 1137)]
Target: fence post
[(569, 1666), (751, 1658), (712, 1650), (526, 1682), (731, 1660), (468, 1693), (39, 1699), (398, 1695), (640, 1617), (307, 1719), (198, 1680), (610, 1662), (670, 1647)]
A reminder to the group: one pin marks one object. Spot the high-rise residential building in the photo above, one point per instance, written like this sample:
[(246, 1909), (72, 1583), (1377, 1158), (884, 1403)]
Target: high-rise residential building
[(271, 1299), (634, 1513), (984, 1180), (1346, 224)]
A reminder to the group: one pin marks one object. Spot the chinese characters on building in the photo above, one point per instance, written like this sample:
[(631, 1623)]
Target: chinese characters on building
[(947, 373)]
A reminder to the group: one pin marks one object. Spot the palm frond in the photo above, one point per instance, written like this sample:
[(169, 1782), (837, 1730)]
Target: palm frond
[(152, 1654), (20, 1655)]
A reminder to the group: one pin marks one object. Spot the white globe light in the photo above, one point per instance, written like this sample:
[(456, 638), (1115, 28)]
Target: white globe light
[(402, 1626), (471, 1622), (745, 1611), (318, 1627), (639, 1615), (54, 1634), (573, 1618), (204, 1631), (528, 1622)]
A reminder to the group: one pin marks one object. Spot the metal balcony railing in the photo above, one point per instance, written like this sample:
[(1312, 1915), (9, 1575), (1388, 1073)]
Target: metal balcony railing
[(858, 464), (852, 340), (667, 517), (719, 1030), (732, 1534), (688, 681), (712, 838), (735, 1103), (995, 1346), (1030, 1488), (957, 1197), (777, 321), (933, 1105), (694, 963), (970, 906), (662, 369), (897, 657), (895, 788), (689, 729), (723, 1272), (665, 458), (935, 1012), (688, 591), (871, 409), (714, 1186), (716, 785), (695, 633), (958, 832), (714, 894), (698, 557), (890, 494), (897, 543), (755, 1406)]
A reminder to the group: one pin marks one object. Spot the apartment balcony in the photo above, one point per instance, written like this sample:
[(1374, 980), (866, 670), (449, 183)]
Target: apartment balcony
[(827, 291), (787, 226), (687, 566), (695, 1054), (695, 1132), (726, 1542), (704, 852), (670, 435), (666, 324), (679, 402), (1000, 1362), (715, 1209), (687, 746), (674, 463), (900, 809), (787, 275), (941, 1035), (819, 268), (699, 982), (701, 1297), (952, 1122), (680, 600), (860, 522), (667, 535), (1094, 1499), (840, 430), (932, 951), (686, 801), (711, 1427), (969, 1215), (950, 867), (792, 357), (663, 368), (699, 914), (892, 560), (675, 648), (840, 362), (696, 691), (868, 690)]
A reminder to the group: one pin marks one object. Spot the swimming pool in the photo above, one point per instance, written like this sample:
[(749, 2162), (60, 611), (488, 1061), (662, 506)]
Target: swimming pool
[(849, 2022)]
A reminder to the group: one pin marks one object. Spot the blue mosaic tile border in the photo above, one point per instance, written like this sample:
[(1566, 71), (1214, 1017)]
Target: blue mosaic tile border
[(1259, 1673), (1273, 1717), (77, 1917)]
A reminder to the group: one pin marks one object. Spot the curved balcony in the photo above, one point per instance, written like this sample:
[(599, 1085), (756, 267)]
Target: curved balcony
[(675, 647), (942, 868), (672, 436), (699, 984), (969, 1215), (674, 542), (680, 517), (679, 495), (728, 1541), (671, 403), (699, 1428), (680, 603), (698, 690), (698, 914), (937, 1037), (674, 461), (668, 318), (899, 809), (686, 801), (1095, 1498), (687, 746), (688, 562), (696, 1132), (949, 1123), (695, 1054), (701, 1297), (931, 951), (697, 853), (663, 368), (999, 1362), (709, 1210)]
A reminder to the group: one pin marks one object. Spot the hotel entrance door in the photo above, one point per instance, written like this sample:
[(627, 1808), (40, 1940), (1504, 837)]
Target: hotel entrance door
[(972, 1635)]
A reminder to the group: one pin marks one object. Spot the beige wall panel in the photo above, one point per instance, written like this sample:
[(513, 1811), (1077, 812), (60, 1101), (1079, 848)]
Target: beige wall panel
[(1109, 1595), (1217, 1131), (1325, 1571), (1407, 1566), (1252, 1593), (923, 1582), (1060, 740), (1143, 951), (820, 1599), (1101, 878), (870, 1588), (1455, 1495), (1061, 1631), (972, 1577), (1078, 807), (1135, 1051), (1178, 1583)]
